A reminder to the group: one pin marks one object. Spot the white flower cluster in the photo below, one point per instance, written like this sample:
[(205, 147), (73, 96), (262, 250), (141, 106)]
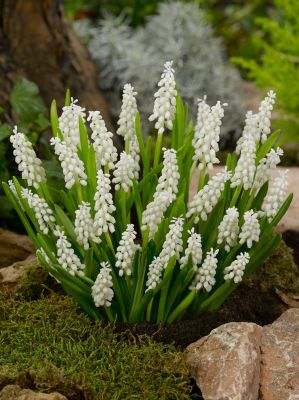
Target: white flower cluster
[(84, 226), (169, 178), (250, 231), (134, 152), (207, 134), (245, 169), (69, 122), (28, 163), (14, 190), (104, 207), (205, 200), (124, 172), (72, 166), (173, 245), (106, 153), (102, 292), (277, 195), (228, 230), (154, 212), (194, 248), (66, 256), (128, 112), (165, 102), (251, 129), (236, 269), (42, 211), (205, 276), (264, 115), (266, 166), (126, 250)]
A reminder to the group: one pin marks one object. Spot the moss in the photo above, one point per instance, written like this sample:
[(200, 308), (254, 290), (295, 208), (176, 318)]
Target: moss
[(50, 345)]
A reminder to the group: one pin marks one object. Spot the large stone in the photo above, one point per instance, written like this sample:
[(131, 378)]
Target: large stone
[(280, 358), (226, 363), (14, 247), (14, 392)]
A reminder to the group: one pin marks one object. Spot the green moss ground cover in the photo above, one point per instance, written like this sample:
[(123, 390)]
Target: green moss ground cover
[(63, 350)]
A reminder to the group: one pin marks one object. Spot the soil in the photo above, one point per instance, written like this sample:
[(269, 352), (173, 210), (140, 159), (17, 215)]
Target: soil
[(291, 238)]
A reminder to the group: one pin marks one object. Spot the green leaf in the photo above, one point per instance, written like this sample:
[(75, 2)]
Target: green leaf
[(26, 101), (265, 147), (5, 131)]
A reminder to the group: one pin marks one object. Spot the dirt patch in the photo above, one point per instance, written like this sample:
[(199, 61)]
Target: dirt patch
[(291, 237), (14, 247)]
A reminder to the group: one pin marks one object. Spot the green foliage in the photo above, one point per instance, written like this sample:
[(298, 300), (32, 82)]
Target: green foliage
[(63, 350), (279, 66)]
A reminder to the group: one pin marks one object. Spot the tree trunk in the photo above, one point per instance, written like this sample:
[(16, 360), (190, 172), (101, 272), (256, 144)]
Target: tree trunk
[(38, 43)]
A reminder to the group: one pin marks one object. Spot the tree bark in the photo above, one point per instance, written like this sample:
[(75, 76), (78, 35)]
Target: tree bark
[(38, 43)]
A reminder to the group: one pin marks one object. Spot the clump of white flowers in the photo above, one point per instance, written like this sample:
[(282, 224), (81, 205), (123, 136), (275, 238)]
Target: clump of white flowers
[(28, 164), (123, 236)]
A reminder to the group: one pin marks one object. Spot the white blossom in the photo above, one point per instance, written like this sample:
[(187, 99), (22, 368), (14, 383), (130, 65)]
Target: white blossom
[(169, 178), (104, 207), (126, 250), (128, 112), (102, 289), (134, 152), (72, 166), (42, 211), (264, 115), (276, 196), (165, 100), (250, 231), (124, 172), (66, 256), (228, 230), (205, 200), (236, 269), (251, 129), (29, 164), (154, 212), (205, 276), (14, 190), (194, 248), (84, 227), (207, 134), (266, 166), (106, 153), (172, 246), (69, 122), (245, 168)]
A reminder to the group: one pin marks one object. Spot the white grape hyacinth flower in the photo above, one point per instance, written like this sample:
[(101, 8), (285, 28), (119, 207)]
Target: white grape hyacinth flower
[(172, 246), (154, 212), (264, 115), (126, 250), (106, 153), (42, 211), (205, 276), (245, 169), (250, 230), (14, 190), (124, 172), (29, 164), (251, 129), (102, 289), (276, 196), (205, 200), (169, 178), (266, 167), (66, 256), (84, 226), (165, 100), (194, 248), (103, 220), (228, 230), (69, 122), (134, 152), (126, 122), (72, 166), (235, 270), (207, 136)]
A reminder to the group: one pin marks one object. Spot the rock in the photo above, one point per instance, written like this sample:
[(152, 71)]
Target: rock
[(226, 363), (14, 392), (14, 247), (280, 358)]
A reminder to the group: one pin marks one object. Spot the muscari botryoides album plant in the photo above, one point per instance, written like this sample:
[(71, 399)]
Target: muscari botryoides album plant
[(125, 238)]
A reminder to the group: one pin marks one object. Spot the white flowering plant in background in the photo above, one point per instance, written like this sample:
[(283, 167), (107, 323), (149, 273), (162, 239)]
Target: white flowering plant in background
[(125, 237)]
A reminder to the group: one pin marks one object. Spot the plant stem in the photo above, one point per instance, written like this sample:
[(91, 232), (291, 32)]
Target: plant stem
[(109, 241), (79, 193), (236, 196), (123, 206), (158, 149), (201, 179)]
